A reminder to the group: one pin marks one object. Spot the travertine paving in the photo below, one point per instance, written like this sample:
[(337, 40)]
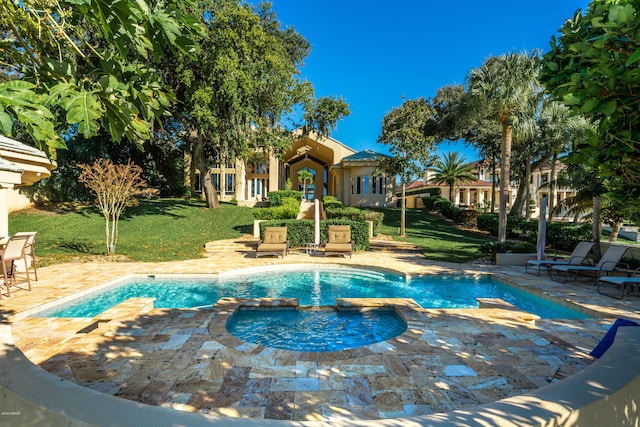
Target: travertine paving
[(185, 359)]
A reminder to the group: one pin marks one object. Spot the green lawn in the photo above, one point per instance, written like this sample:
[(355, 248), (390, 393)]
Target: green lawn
[(439, 240), (177, 229), (156, 230)]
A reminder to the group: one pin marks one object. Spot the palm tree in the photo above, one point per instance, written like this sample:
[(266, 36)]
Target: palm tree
[(451, 170), (505, 86), (305, 176)]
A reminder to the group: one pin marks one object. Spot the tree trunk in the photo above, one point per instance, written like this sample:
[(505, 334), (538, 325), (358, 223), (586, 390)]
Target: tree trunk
[(527, 194), (493, 184), (520, 205), (615, 231), (451, 194), (505, 171), (552, 186), (596, 228), (403, 209), (210, 193)]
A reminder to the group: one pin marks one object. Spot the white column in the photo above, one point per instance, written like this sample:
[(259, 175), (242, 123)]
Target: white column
[(4, 212)]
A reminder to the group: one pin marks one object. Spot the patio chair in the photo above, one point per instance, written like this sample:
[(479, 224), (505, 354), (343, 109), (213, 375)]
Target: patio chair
[(339, 241), (274, 243), (30, 250), (622, 283), (577, 257), (14, 250), (610, 259)]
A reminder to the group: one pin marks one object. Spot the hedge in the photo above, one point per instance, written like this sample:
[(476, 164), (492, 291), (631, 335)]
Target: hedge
[(560, 236), (288, 209), (429, 202), (301, 231), (276, 198)]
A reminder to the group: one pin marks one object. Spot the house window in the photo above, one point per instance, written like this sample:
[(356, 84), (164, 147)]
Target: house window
[(544, 178), (358, 185), (365, 187), (230, 184)]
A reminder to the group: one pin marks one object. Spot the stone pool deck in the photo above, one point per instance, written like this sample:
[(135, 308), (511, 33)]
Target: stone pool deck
[(182, 359)]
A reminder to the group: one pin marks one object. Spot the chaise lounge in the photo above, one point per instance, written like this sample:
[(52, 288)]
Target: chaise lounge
[(577, 257), (610, 259), (339, 241), (274, 243), (622, 283)]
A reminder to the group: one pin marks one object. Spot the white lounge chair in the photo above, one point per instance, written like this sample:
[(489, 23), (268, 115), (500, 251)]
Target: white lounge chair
[(30, 250), (14, 250), (577, 257), (610, 259)]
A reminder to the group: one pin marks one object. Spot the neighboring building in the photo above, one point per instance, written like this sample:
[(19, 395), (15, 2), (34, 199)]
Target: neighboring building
[(477, 194), (337, 170), (20, 165)]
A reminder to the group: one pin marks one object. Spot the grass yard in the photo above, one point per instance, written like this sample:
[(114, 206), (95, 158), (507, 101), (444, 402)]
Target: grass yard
[(439, 239), (177, 229), (156, 230)]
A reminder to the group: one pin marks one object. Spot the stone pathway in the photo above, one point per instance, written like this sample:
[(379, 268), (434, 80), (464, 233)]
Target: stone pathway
[(185, 359)]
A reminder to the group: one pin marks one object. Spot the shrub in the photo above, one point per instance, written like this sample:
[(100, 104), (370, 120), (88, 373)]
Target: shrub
[(331, 202), (564, 237), (276, 197), (355, 214), (287, 210), (490, 249), (488, 222), (446, 208), (466, 217), (429, 202)]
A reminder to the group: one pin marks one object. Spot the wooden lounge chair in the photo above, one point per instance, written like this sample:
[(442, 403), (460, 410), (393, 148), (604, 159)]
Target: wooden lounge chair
[(274, 243), (610, 259), (339, 241), (621, 283), (577, 257), (14, 250)]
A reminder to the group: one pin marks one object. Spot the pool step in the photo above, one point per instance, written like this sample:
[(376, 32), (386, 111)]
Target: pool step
[(500, 309), (126, 310)]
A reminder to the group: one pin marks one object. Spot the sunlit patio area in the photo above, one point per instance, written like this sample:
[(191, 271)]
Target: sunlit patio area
[(448, 362)]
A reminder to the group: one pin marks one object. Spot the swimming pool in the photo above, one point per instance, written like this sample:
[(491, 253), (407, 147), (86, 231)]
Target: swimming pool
[(314, 286)]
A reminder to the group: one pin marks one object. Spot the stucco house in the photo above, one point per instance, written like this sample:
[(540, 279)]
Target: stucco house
[(337, 170), (478, 194)]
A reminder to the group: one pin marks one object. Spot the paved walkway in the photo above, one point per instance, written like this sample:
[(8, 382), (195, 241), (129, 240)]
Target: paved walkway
[(184, 359)]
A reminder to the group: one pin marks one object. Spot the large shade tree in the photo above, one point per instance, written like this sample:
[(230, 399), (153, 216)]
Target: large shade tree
[(242, 90), (88, 64), (411, 148), (505, 86), (593, 67)]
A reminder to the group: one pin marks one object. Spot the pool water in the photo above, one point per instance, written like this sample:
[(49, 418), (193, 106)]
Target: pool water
[(315, 330), (316, 286)]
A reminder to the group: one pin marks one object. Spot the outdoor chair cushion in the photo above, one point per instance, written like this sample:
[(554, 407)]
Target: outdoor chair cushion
[(273, 235), (337, 247), (339, 234)]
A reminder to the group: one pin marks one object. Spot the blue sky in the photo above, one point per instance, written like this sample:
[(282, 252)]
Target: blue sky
[(374, 52)]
